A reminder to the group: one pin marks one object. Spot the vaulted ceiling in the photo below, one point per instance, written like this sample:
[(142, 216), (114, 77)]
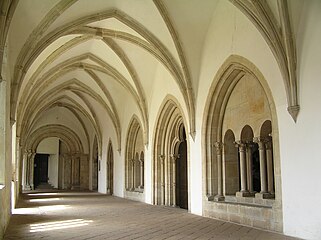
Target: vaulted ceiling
[(86, 57)]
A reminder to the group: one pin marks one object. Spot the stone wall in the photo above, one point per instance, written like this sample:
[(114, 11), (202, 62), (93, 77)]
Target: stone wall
[(263, 213)]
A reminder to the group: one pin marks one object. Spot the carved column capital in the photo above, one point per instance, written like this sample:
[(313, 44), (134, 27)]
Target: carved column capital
[(174, 157), (218, 146), (268, 144), (241, 145), (260, 141), (161, 158)]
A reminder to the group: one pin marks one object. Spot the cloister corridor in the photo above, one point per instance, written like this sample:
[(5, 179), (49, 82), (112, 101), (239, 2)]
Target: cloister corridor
[(90, 215)]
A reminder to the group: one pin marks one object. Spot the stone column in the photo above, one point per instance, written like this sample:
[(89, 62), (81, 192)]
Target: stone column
[(141, 185), (25, 171), (127, 187), (166, 181), (61, 174), (218, 146), (209, 176), (67, 171), (75, 169), (107, 176), (133, 174), (174, 159), (249, 165), (31, 166), (242, 148), (261, 142), (269, 158), (162, 159)]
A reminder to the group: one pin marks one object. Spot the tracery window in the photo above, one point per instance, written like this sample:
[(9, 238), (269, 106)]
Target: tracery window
[(239, 139)]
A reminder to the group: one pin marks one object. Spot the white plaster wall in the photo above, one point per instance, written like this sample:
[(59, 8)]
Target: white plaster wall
[(109, 132), (229, 32), (300, 142), (164, 85), (53, 170), (51, 146)]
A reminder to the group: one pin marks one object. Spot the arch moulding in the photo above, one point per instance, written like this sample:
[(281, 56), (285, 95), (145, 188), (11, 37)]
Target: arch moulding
[(229, 74)]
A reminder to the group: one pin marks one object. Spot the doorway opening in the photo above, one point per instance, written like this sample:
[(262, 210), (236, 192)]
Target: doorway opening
[(181, 173), (40, 169)]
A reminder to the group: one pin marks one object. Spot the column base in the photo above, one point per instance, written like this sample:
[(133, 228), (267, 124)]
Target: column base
[(210, 197), (264, 195), (219, 198), (244, 194), (141, 187), (27, 188)]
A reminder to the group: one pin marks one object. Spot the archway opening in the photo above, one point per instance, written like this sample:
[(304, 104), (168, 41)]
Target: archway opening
[(110, 170), (181, 173), (134, 173), (40, 177), (171, 166)]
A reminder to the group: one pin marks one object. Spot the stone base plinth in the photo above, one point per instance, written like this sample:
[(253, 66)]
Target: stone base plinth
[(264, 195), (219, 198), (244, 194), (210, 197)]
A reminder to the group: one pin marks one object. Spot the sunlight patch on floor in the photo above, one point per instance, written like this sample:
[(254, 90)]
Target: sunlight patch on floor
[(54, 207), (44, 199), (38, 210), (41, 194), (48, 226)]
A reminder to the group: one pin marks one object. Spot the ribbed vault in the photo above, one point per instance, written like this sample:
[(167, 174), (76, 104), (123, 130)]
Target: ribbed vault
[(95, 65)]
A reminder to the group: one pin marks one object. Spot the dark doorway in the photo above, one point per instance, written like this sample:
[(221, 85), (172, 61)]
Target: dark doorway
[(40, 169), (181, 175)]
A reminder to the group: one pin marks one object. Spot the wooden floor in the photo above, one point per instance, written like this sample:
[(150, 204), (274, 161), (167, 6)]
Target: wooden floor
[(88, 215)]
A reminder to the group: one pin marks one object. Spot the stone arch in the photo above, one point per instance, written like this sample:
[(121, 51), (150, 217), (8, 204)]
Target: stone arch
[(234, 71), (110, 169), (64, 133), (179, 70), (79, 89), (266, 129), (133, 166), (166, 147), (72, 161), (247, 133)]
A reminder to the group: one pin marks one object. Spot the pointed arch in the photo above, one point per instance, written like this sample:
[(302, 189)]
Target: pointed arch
[(134, 146), (110, 168), (228, 76), (166, 144)]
